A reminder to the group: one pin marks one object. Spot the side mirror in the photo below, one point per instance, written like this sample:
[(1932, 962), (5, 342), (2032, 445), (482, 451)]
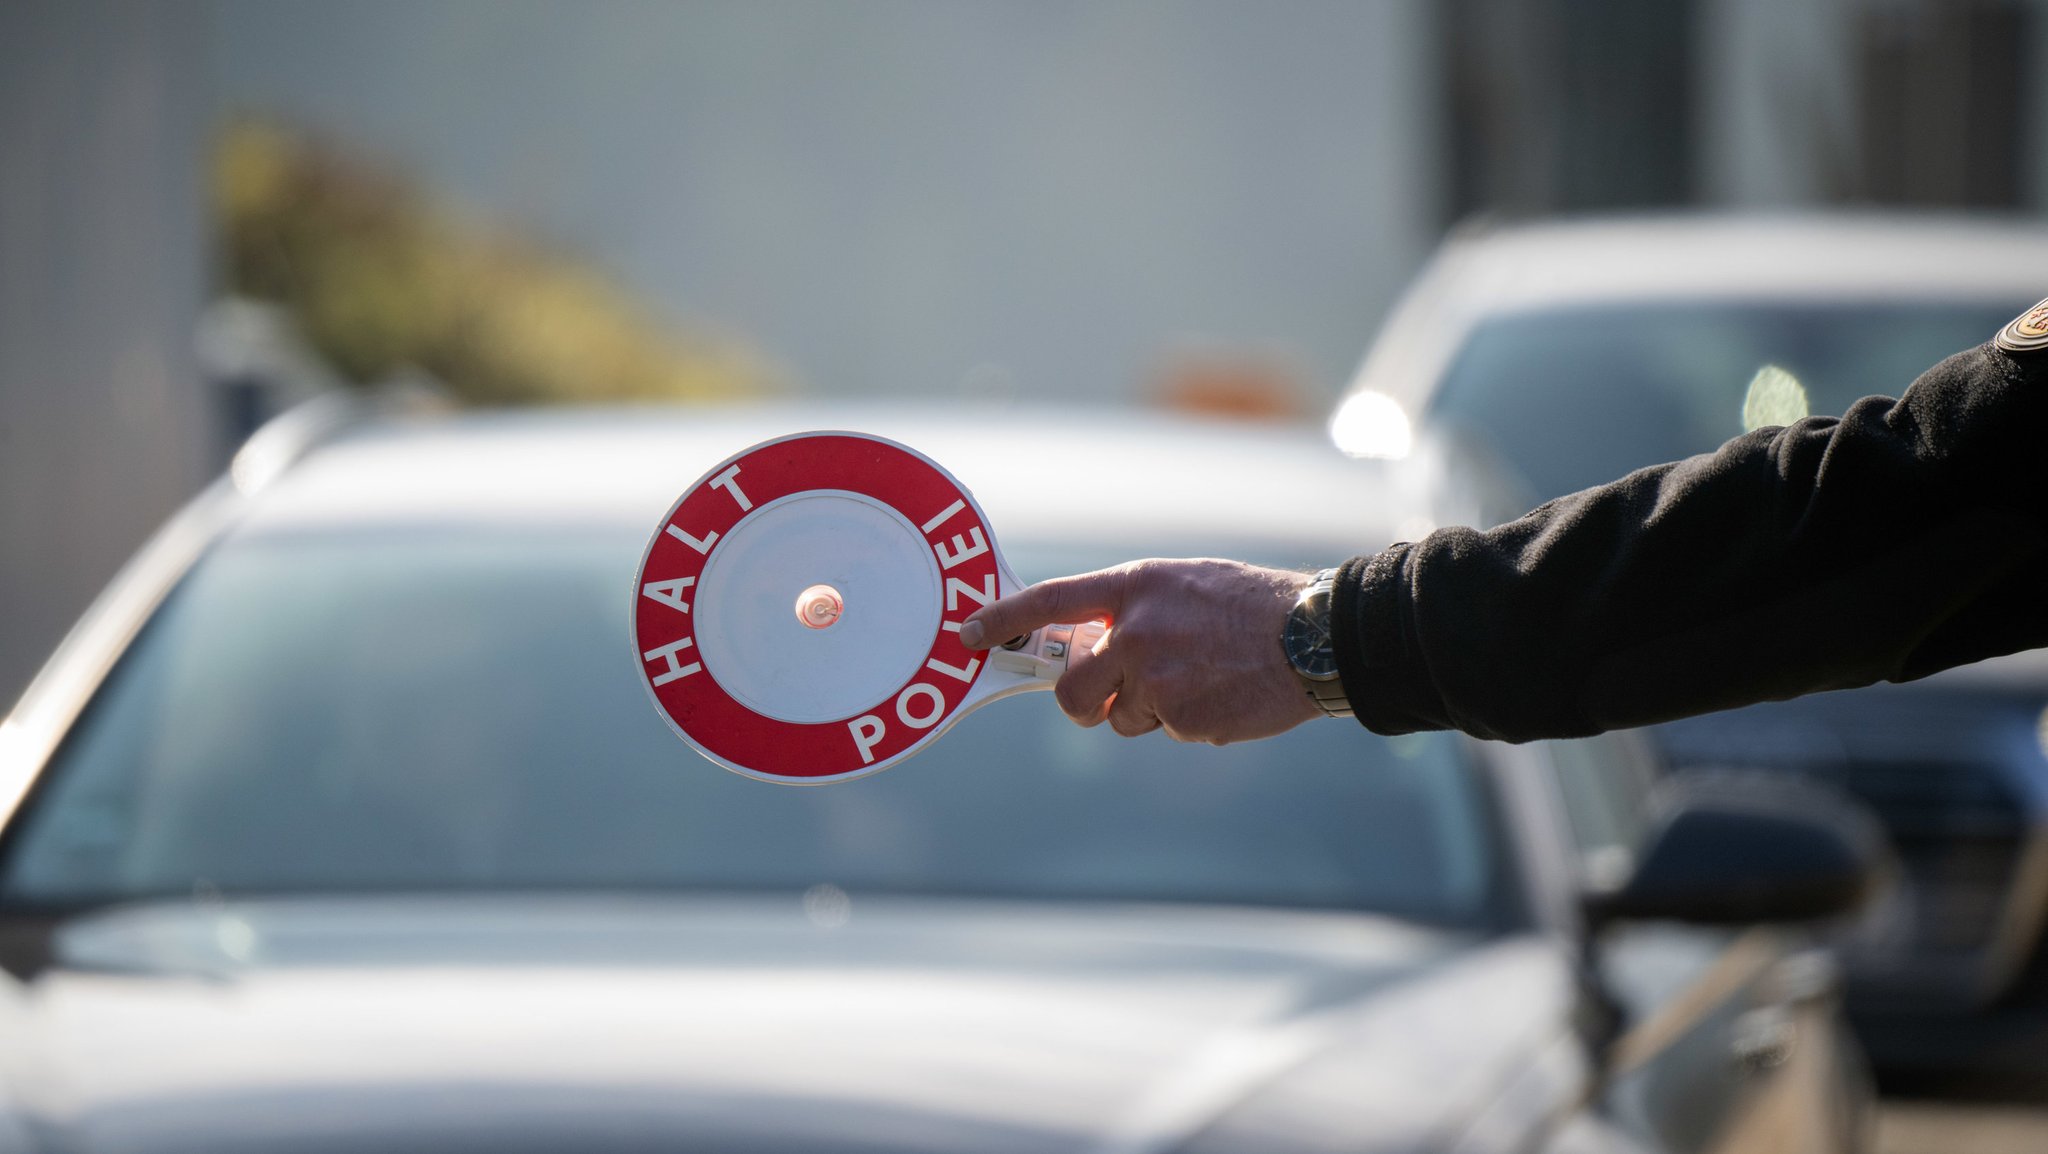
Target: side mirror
[(1727, 847)]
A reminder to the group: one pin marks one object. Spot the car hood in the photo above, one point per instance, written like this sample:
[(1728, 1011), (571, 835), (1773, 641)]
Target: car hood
[(746, 1025)]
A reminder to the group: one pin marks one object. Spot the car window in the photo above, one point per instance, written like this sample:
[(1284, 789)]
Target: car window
[(431, 709), (1580, 396)]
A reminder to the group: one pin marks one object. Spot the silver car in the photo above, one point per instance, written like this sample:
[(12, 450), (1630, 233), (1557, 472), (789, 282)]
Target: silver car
[(341, 823), (1533, 361)]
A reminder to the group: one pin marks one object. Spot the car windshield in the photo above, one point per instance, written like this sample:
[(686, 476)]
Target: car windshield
[(413, 709), (1570, 398)]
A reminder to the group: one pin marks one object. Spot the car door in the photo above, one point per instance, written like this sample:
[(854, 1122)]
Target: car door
[(1727, 1039)]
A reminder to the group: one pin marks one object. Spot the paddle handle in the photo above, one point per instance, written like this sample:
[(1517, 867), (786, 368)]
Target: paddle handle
[(1042, 655)]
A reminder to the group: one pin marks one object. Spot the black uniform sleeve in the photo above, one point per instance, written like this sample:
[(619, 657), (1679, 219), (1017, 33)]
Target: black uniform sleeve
[(1900, 539)]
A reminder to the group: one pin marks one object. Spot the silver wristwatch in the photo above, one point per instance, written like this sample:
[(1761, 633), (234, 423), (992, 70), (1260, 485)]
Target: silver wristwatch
[(1311, 652)]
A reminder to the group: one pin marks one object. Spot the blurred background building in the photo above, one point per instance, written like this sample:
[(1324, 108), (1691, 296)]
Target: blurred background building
[(566, 200), (105, 122)]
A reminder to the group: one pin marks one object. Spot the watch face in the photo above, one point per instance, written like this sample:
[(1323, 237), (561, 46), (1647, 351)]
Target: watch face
[(1307, 638)]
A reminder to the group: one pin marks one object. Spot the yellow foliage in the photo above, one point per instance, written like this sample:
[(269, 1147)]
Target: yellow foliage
[(380, 279)]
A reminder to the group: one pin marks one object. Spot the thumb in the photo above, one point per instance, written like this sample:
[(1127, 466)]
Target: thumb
[(1062, 599)]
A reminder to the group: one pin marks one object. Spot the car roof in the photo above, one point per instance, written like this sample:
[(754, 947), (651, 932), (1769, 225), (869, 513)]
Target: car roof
[(1793, 257), (1095, 477), (1786, 258)]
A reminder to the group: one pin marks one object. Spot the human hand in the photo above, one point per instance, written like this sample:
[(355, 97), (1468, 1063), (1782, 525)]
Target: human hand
[(1193, 647)]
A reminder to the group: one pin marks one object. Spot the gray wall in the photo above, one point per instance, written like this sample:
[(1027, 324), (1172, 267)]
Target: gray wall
[(102, 271), (902, 196)]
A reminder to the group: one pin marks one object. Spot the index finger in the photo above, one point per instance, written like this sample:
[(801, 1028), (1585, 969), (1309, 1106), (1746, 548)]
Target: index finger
[(1061, 600)]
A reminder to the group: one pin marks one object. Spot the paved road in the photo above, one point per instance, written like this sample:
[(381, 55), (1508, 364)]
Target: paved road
[(1942, 1128)]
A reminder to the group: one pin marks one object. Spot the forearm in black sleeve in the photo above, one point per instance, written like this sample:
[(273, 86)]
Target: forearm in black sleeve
[(1902, 538)]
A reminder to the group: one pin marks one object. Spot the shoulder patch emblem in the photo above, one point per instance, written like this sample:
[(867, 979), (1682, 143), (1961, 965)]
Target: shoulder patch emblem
[(2028, 332)]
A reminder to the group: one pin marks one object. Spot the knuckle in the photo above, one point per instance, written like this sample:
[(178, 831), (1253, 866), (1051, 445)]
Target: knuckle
[(1067, 694), (1053, 599), (1132, 722), (1127, 579), (1076, 699), (1184, 728)]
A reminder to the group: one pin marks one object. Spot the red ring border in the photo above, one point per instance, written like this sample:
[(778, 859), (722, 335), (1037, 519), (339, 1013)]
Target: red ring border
[(699, 709)]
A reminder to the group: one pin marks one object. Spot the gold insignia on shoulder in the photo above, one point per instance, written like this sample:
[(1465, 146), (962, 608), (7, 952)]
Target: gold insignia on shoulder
[(2028, 332)]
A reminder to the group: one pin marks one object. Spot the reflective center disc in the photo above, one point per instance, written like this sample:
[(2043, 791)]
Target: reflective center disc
[(766, 658)]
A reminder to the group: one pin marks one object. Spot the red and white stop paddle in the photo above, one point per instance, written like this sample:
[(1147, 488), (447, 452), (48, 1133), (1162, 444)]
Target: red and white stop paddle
[(797, 614)]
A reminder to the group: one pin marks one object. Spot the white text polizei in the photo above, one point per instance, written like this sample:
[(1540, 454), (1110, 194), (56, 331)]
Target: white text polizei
[(920, 705)]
